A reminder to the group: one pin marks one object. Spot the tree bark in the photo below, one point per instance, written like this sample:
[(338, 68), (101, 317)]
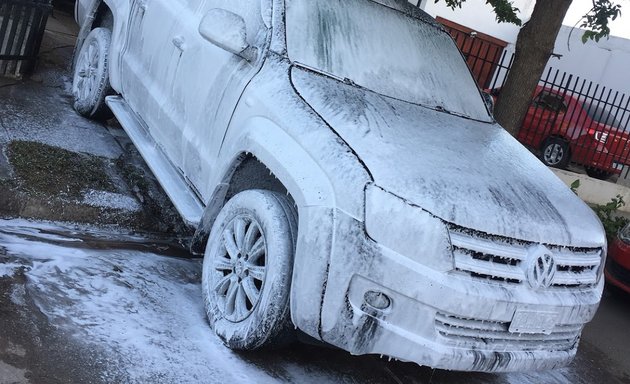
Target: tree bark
[(534, 46)]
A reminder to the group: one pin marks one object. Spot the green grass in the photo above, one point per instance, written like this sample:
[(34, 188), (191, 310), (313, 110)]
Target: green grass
[(53, 171)]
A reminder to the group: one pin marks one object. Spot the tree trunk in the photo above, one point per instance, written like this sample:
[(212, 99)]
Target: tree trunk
[(534, 46)]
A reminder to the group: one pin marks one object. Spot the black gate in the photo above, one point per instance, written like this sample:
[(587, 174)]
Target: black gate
[(22, 24)]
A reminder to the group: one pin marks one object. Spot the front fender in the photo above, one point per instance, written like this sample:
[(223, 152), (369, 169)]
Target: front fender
[(272, 146), (292, 165), (314, 196)]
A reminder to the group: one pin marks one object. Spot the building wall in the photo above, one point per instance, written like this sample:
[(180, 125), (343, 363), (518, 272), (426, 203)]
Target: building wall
[(606, 62)]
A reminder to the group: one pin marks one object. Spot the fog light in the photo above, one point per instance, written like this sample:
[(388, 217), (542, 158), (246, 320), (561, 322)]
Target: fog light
[(377, 300)]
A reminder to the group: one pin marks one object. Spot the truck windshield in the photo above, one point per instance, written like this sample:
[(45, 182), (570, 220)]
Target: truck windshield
[(383, 50)]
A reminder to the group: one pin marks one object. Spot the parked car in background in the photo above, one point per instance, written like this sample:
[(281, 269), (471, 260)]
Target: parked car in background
[(618, 264), (567, 128), (345, 179)]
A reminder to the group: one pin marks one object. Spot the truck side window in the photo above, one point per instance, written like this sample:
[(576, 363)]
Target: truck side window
[(552, 102)]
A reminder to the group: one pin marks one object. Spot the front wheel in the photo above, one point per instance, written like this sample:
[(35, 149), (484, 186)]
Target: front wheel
[(555, 152), (247, 270), (90, 84)]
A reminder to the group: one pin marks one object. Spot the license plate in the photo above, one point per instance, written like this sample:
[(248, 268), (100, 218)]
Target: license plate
[(533, 322), (617, 166)]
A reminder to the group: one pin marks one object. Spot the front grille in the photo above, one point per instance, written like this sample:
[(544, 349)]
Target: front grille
[(495, 335), (500, 260)]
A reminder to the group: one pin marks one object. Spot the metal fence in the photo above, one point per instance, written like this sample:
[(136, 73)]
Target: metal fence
[(22, 24), (570, 119), (482, 52)]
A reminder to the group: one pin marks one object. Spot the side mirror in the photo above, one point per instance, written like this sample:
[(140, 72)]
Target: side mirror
[(228, 31)]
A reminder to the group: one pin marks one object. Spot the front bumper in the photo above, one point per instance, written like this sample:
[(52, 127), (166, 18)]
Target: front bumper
[(442, 320)]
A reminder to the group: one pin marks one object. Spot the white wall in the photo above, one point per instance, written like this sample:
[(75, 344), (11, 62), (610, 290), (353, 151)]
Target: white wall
[(606, 62)]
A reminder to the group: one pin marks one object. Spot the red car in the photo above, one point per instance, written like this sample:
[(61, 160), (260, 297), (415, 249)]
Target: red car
[(618, 265), (567, 128)]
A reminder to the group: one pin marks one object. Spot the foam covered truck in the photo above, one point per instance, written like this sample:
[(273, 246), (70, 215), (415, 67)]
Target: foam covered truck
[(345, 179)]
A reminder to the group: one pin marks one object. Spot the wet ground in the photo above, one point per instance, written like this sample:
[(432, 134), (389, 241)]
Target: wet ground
[(81, 305)]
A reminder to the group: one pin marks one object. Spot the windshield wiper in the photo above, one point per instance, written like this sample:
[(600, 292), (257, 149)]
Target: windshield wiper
[(440, 108), (349, 81), (344, 80)]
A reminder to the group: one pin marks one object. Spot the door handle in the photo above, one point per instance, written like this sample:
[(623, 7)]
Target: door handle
[(180, 43)]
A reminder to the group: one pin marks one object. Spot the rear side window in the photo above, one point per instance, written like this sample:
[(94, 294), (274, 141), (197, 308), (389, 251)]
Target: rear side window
[(551, 101), (600, 114)]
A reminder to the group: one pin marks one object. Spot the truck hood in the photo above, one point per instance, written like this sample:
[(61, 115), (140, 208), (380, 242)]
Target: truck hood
[(468, 173)]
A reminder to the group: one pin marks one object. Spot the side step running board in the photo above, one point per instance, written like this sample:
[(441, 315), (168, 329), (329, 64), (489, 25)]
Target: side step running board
[(172, 181)]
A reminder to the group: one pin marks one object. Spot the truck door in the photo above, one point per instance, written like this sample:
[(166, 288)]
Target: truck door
[(210, 80), (149, 63)]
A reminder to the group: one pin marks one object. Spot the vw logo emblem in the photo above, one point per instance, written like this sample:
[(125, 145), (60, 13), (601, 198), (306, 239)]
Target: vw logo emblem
[(542, 268)]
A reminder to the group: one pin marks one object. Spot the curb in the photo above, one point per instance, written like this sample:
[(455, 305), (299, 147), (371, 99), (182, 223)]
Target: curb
[(595, 191), (15, 203)]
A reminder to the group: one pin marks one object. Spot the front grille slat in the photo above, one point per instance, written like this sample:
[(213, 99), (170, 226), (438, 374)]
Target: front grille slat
[(537, 345), (478, 333), (471, 324), (490, 268), (584, 260), (572, 278), (503, 336), (499, 260), (500, 250)]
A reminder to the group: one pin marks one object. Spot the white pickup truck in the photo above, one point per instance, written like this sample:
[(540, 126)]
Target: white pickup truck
[(345, 179)]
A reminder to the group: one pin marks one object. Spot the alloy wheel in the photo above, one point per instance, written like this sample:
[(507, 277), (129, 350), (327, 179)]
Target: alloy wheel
[(87, 72), (553, 154), (240, 268)]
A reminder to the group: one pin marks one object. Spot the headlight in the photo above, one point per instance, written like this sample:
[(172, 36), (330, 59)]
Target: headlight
[(624, 234), (407, 229)]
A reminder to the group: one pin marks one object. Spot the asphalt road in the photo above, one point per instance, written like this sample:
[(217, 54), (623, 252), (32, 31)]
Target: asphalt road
[(79, 305)]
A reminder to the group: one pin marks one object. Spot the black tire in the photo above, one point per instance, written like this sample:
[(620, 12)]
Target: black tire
[(555, 153), (90, 85), (598, 173), (232, 271)]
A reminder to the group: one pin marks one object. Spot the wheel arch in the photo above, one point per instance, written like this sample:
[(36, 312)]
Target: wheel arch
[(244, 173), (318, 190), (559, 137), (103, 13), (266, 159), (312, 252)]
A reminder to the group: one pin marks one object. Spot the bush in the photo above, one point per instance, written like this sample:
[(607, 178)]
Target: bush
[(607, 215)]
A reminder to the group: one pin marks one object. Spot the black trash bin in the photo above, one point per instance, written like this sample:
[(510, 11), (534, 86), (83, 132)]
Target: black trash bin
[(22, 25)]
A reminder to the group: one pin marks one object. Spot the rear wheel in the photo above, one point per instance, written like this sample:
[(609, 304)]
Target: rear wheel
[(90, 83), (555, 152), (598, 173), (247, 270)]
